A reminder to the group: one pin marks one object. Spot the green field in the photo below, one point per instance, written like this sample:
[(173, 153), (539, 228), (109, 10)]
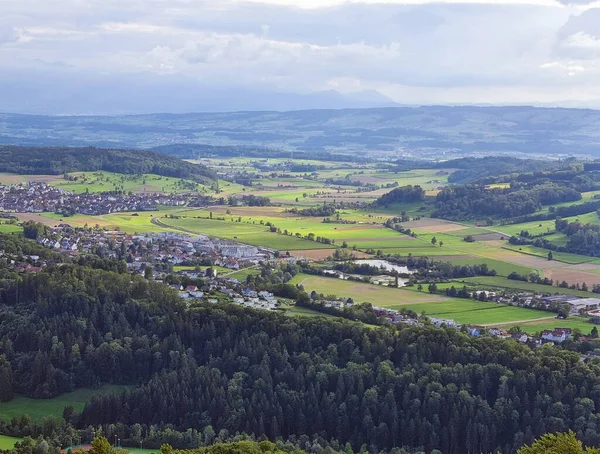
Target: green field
[(565, 257), (537, 326), (501, 282), (502, 268), (37, 409), (241, 275), (102, 181), (8, 442), (476, 312), (362, 292)]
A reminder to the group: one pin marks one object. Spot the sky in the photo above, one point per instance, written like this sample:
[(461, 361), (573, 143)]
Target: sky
[(543, 52)]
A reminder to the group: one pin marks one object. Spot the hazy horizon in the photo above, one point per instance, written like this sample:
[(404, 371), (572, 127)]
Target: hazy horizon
[(109, 57)]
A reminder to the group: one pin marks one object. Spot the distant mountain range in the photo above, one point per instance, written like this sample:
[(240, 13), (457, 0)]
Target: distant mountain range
[(47, 91), (435, 132)]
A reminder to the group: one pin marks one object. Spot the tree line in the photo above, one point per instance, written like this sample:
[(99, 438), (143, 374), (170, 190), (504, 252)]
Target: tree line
[(61, 160)]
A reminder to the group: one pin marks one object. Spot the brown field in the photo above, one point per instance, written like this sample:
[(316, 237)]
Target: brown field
[(146, 188), (37, 218), (252, 211), (9, 178), (434, 225), (572, 275), (322, 254), (489, 237)]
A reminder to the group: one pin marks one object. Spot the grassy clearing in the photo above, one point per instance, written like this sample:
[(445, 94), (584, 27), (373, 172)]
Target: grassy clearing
[(7, 442), (10, 228), (37, 409), (475, 312), (241, 275), (305, 312)]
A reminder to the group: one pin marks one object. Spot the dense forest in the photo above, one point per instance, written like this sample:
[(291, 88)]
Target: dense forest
[(462, 202), (403, 194), (59, 160), (237, 370)]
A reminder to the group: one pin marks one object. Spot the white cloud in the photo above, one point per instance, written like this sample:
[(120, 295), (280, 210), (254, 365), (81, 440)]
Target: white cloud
[(466, 47)]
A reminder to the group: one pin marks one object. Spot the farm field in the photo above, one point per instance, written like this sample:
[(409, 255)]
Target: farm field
[(362, 292), (501, 282), (37, 409), (565, 257), (476, 312), (254, 234), (502, 268), (535, 326), (102, 181)]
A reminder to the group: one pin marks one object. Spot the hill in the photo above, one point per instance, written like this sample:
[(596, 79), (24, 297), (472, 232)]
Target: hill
[(424, 132), (59, 160)]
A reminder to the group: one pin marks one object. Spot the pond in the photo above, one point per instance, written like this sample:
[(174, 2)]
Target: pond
[(389, 266)]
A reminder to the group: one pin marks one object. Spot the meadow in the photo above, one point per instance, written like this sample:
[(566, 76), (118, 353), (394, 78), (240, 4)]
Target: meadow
[(7, 442), (476, 312), (363, 292), (37, 409)]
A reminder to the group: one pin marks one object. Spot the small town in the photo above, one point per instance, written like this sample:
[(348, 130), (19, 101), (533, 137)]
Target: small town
[(41, 197)]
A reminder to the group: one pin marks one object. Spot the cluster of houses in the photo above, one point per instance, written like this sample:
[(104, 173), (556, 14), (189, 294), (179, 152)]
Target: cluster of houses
[(557, 335), (148, 249), (35, 197)]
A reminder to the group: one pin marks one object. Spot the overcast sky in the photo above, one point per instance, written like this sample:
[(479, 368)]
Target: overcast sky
[(415, 51)]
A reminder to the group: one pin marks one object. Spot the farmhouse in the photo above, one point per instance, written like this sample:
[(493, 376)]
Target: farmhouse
[(557, 335)]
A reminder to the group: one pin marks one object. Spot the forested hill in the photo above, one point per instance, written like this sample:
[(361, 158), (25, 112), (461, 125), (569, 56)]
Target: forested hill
[(226, 369), (58, 160)]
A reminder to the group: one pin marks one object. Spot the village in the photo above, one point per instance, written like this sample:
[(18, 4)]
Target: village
[(203, 267), (41, 197)]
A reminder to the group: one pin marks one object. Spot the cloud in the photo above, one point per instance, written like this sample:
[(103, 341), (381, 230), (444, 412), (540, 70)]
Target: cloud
[(8, 34), (464, 47)]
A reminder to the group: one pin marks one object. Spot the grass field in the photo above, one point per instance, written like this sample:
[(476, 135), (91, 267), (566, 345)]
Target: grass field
[(363, 292), (37, 409), (101, 181), (552, 323), (8, 442), (559, 256), (305, 312), (241, 275), (502, 268), (501, 282), (476, 312)]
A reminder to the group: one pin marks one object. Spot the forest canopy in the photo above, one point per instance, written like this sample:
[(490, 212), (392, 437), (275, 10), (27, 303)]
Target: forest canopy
[(59, 160)]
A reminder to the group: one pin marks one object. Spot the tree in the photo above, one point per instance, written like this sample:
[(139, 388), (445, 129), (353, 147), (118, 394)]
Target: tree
[(100, 445), (594, 332), (561, 443), (433, 240), (148, 272), (6, 380), (550, 256), (441, 243), (420, 288)]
